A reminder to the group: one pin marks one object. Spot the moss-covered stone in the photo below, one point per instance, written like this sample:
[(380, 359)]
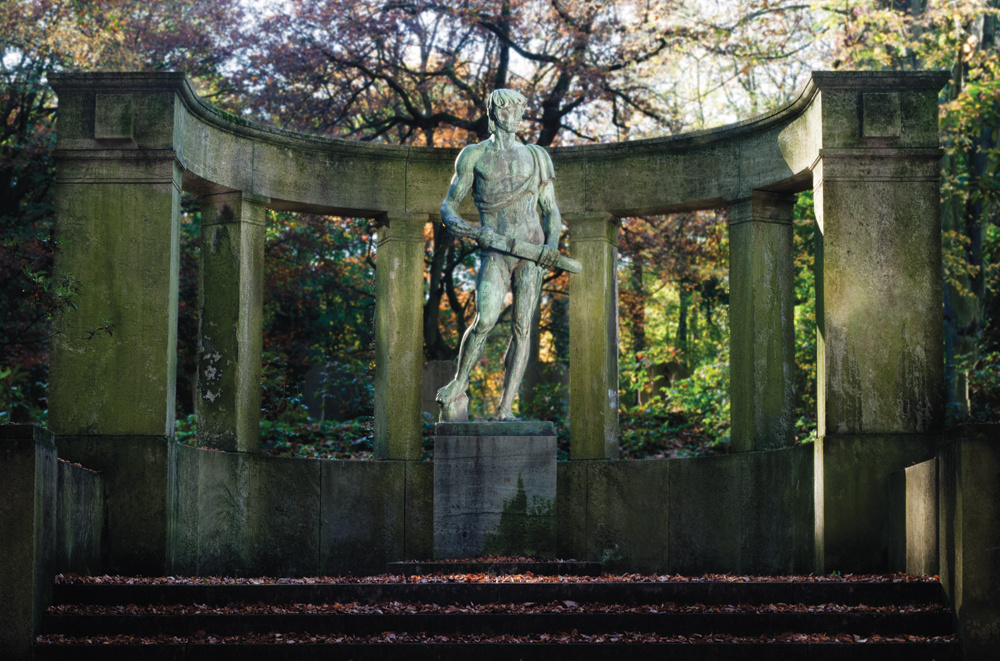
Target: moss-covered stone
[(28, 521), (418, 524), (230, 321), (494, 493), (593, 337), (135, 473), (363, 514), (852, 496), (969, 519), (113, 363), (79, 519), (762, 322), (398, 340)]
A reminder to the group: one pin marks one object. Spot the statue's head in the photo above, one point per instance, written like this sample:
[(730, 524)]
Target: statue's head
[(502, 99)]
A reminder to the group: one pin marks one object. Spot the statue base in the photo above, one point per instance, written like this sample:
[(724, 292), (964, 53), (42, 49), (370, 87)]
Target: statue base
[(494, 489)]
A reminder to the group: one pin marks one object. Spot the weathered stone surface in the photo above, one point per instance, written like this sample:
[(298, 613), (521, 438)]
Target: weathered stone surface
[(127, 224), (593, 338), (704, 514), (362, 515), (79, 519), (969, 519), (249, 514), (134, 470), (494, 493), (418, 525), (913, 522), (852, 496), (183, 511), (284, 528), (231, 308), (225, 501), (749, 512), (776, 503), (28, 521), (398, 340), (307, 173), (505, 428), (628, 510), (878, 284), (762, 322), (572, 482)]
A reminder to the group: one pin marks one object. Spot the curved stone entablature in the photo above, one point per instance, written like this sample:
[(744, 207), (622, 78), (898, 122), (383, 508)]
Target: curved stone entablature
[(219, 151)]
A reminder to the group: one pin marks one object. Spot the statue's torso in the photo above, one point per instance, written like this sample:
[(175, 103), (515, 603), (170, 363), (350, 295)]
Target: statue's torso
[(506, 192)]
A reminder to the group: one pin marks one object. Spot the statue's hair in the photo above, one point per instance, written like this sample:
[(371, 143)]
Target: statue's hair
[(501, 98)]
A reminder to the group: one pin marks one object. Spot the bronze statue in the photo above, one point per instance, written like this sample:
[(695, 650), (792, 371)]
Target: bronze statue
[(509, 182)]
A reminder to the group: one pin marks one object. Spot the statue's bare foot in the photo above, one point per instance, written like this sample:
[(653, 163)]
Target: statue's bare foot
[(507, 415), (454, 403)]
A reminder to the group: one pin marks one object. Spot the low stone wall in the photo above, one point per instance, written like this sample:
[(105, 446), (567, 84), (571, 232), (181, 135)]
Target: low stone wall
[(52, 519), (80, 519), (913, 519), (969, 536), (246, 514), (743, 513)]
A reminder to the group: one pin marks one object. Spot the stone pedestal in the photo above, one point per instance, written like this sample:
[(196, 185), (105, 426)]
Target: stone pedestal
[(494, 489)]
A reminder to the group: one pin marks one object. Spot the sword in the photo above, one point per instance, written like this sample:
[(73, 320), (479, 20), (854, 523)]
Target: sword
[(523, 249)]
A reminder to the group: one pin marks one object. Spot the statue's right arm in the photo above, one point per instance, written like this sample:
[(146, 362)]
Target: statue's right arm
[(461, 184)]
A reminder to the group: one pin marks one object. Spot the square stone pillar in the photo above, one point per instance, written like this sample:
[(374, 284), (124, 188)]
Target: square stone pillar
[(880, 365), (231, 308), (593, 336), (113, 361), (762, 321), (399, 310)]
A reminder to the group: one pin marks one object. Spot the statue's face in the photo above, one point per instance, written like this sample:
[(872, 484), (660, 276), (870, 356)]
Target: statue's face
[(509, 117)]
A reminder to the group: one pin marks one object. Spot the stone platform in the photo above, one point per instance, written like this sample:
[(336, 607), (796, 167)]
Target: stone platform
[(494, 489)]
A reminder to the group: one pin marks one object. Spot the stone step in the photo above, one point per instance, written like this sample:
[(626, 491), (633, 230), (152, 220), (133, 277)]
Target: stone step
[(536, 567), (663, 623), (590, 619), (497, 590), (431, 651)]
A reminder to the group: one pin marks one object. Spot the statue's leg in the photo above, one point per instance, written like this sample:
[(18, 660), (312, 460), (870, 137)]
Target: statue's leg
[(527, 286), (491, 287)]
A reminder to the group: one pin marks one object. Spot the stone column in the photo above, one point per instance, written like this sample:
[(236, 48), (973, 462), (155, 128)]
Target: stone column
[(231, 311), (762, 317), (399, 310), (593, 336), (880, 377)]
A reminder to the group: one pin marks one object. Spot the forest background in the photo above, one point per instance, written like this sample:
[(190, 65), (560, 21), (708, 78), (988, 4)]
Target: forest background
[(418, 73)]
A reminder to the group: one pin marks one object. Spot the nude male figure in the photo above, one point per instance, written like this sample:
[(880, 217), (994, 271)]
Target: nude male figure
[(509, 181)]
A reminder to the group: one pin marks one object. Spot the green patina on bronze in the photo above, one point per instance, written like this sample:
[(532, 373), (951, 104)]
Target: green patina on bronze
[(508, 181)]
